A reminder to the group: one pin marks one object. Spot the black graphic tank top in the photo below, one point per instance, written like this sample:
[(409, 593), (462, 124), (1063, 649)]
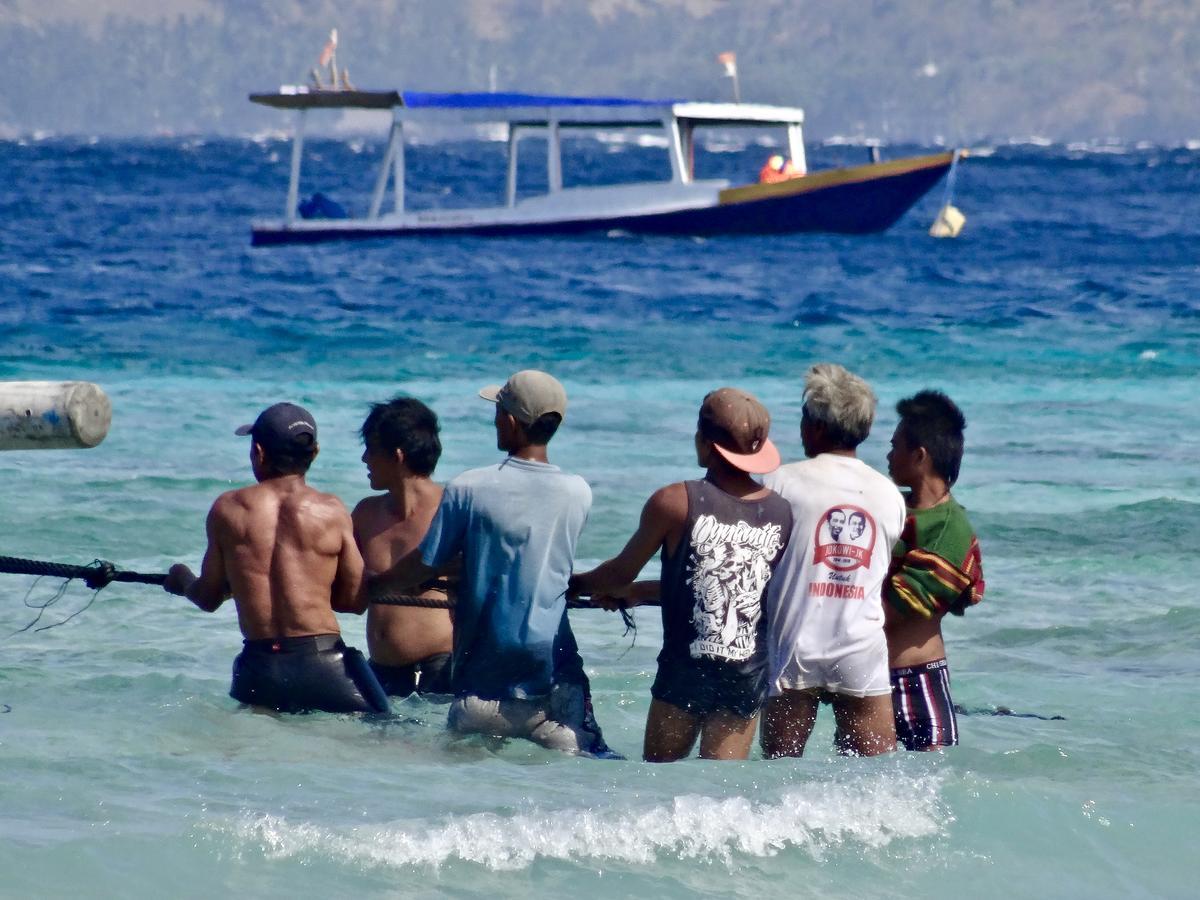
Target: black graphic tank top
[(713, 584)]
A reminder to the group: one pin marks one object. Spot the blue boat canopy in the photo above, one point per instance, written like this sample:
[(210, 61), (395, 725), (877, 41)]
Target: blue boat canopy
[(486, 100), (523, 108)]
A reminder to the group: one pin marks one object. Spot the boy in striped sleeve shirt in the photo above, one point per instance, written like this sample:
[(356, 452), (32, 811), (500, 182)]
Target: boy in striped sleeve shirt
[(936, 568)]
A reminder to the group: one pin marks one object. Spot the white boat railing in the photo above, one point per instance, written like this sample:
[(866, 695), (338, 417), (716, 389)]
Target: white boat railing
[(677, 121)]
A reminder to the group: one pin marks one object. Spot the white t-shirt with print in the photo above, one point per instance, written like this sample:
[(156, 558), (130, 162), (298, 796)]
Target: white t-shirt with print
[(824, 600)]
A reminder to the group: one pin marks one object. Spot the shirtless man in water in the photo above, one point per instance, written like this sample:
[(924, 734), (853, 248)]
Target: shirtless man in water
[(286, 554), (410, 646)]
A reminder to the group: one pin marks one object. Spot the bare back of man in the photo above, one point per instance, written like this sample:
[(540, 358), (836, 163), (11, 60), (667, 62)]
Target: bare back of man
[(289, 558), (286, 554), (401, 635)]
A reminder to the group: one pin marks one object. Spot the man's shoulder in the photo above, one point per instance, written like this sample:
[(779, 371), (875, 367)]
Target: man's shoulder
[(885, 495), (236, 499), (370, 507), (788, 474), (473, 477), (882, 483), (954, 517), (670, 502), (576, 483)]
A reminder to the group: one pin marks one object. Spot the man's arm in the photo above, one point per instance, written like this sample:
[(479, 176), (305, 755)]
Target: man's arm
[(211, 589), (665, 511), (348, 593)]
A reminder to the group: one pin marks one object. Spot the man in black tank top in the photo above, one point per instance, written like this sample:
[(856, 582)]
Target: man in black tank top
[(721, 538)]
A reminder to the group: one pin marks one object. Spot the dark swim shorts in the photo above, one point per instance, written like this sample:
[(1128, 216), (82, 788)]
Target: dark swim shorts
[(704, 687), (924, 711), (427, 676), (303, 674)]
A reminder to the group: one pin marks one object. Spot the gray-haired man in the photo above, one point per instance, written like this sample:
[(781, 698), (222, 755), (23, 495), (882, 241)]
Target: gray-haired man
[(824, 605)]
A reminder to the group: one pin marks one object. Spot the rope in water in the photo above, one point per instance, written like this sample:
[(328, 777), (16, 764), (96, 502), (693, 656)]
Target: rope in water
[(96, 575)]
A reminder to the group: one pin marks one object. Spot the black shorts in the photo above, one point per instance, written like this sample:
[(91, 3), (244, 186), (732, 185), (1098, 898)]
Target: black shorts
[(704, 687), (304, 674), (923, 708), (427, 676)]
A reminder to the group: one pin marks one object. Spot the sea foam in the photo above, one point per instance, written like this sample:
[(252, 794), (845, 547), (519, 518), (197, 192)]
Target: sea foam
[(816, 819)]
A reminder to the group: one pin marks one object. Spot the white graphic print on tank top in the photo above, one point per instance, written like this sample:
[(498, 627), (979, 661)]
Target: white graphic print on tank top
[(730, 566)]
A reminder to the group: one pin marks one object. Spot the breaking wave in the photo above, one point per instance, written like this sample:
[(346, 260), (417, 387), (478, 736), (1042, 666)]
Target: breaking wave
[(815, 819)]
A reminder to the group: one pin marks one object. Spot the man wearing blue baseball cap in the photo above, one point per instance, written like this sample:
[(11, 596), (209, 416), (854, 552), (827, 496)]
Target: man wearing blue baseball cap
[(286, 554)]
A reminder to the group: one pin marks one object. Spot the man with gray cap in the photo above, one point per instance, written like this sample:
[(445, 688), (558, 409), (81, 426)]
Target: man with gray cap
[(720, 540), (516, 525), (824, 605), (286, 554)]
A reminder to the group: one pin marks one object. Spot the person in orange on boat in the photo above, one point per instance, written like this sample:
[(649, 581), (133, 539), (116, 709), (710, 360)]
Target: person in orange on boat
[(777, 168)]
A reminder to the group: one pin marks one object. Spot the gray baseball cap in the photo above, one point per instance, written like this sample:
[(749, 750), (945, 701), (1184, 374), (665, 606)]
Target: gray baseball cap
[(528, 396)]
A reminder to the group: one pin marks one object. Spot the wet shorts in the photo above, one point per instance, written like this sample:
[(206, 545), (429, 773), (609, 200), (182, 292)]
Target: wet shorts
[(702, 689), (924, 710), (427, 676), (562, 721), (862, 672), (303, 674)]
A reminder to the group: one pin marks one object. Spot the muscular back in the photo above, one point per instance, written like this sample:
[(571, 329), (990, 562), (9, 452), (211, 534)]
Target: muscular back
[(289, 558)]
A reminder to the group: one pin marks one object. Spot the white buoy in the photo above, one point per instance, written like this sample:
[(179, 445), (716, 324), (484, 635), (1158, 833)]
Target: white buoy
[(52, 415), (950, 220), (948, 224)]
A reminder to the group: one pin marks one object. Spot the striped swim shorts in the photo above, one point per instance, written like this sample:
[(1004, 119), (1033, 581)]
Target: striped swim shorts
[(922, 705)]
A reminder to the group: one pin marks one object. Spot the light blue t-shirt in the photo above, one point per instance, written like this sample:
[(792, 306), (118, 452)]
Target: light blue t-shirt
[(516, 525)]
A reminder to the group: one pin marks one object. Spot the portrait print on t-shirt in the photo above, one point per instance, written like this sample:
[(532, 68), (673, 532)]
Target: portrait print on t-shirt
[(843, 544), (730, 566)]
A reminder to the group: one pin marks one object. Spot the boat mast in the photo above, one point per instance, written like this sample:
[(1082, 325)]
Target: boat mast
[(393, 165), (680, 170), (293, 194), (510, 183), (795, 136), (553, 155)]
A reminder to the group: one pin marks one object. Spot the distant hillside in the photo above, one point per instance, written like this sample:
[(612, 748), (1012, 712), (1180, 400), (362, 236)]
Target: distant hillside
[(898, 69)]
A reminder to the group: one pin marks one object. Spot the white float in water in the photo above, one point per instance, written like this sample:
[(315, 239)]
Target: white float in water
[(52, 415), (948, 223)]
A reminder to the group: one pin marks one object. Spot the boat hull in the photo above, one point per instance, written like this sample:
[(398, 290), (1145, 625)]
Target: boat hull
[(857, 200)]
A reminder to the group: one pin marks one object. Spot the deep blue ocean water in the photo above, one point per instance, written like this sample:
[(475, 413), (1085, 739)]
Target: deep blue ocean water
[(1065, 320)]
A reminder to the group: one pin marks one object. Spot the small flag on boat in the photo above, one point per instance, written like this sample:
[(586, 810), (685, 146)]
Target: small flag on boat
[(729, 60), (327, 53)]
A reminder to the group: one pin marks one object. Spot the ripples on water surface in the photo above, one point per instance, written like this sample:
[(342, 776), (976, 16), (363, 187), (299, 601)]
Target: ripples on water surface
[(1065, 320)]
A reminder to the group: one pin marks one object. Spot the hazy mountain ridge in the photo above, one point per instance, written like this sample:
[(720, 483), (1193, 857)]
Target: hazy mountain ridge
[(1065, 69)]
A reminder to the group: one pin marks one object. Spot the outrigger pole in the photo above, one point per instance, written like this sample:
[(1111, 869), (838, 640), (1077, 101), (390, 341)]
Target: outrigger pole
[(52, 415)]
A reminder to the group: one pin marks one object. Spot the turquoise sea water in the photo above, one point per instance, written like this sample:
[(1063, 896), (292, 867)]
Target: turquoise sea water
[(1065, 320)]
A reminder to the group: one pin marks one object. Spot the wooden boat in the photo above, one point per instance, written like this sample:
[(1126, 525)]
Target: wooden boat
[(853, 200)]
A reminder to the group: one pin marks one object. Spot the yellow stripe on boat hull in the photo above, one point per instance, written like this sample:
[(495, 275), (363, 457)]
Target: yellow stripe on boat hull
[(834, 177)]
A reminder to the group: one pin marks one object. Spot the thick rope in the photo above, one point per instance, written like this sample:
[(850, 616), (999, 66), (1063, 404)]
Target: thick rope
[(447, 603), (97, 575)]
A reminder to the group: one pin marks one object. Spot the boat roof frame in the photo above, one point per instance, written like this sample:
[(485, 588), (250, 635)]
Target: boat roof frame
[(536, 110), (524, 114)]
